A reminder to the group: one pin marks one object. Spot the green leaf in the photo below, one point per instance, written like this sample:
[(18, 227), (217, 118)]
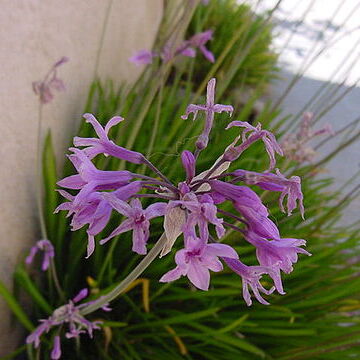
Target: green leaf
[(50, 178), (22, 277), (15, 307)]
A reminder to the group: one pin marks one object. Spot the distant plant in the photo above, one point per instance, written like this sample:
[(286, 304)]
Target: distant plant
[(246, 42)]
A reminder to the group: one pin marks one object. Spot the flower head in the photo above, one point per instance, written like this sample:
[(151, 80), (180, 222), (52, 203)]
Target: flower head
[(276, 182), (197, 41), (201, 212), (94, 210), (47, 248), (192, 207), (279, 253)]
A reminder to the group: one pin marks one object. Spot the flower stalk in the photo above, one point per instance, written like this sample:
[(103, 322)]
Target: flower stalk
[(124, 284)]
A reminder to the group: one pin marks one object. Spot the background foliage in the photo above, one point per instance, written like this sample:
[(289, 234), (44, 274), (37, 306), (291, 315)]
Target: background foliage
[(316, 319)]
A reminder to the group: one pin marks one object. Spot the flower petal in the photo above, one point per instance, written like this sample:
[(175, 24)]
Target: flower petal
[(199, 276)]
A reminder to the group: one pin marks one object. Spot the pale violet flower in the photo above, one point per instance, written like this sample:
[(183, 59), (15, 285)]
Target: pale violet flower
[(280, 253), (67, 316), (137, 220), (196, 259), (255, 133), (250, 276), (290, 188)]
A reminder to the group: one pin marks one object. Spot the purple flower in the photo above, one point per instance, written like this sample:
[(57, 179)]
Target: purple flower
[(89, 178), (95, 210), (251, 276), (103, 145), (44, 89), (256, 133), (210, 108), (196, 259), (48, 249), (137, 220), (69, 315), (281, 253), (267, 181), (142, 57), (241, 195)]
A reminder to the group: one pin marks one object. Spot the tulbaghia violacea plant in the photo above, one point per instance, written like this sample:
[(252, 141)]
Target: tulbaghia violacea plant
[(192, 209)]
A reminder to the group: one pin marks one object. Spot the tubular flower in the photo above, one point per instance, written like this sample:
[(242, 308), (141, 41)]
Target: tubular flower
[(192, 208), (255, 133), (280, 253), (251, 276)]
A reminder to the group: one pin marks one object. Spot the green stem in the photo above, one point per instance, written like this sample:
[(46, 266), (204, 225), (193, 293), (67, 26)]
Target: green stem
[(39, 178), (124, 284), (44, 235)]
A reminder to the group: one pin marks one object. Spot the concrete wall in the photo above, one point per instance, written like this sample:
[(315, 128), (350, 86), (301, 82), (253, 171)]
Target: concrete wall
[(33, 35)]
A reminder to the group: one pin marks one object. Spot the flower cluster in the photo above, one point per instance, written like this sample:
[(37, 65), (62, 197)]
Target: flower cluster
[(187, 48), (192, 208), (47, 248), (70, 315), (296, 146)]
